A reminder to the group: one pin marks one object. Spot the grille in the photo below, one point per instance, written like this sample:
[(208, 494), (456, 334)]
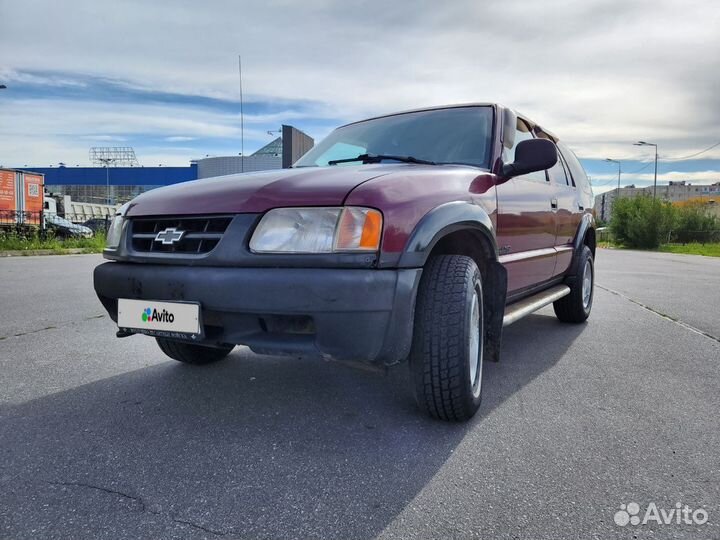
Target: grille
[(200, 234)]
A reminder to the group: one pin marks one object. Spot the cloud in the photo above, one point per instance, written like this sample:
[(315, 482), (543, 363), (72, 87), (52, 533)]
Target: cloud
[(12, 76), (63, 129), (103, 138), (599, 73), (701, 177)]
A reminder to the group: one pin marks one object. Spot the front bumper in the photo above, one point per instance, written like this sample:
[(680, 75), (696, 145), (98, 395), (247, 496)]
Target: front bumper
[(347, 314)]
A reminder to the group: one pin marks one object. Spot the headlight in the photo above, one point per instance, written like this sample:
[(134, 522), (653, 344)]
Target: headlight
[(317, 230), (114, 233)]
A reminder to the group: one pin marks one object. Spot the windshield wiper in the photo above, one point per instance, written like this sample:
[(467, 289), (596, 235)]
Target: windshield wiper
[(377, 158)]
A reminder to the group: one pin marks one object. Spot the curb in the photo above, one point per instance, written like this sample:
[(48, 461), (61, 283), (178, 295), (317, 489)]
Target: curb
[(34, 252)]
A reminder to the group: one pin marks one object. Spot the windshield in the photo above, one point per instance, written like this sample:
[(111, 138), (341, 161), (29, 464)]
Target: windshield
[(57, 220), (457, 135)]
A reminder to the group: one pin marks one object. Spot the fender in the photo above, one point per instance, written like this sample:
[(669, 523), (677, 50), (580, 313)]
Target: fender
[(441, 221), (587, 223), (446, 219)]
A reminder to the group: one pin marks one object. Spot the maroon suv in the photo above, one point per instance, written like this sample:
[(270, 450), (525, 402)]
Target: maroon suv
[(416, 235)]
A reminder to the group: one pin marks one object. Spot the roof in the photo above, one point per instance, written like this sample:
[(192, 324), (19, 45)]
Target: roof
[(272, 148)]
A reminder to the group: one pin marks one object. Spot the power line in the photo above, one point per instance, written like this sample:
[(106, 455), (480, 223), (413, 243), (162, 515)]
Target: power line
[(602, 184), (641, 168), (692, 155), (674, 159)]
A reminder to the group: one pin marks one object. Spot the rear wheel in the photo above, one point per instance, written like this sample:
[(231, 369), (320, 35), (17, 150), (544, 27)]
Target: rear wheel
[(447, 353), (191, 353), (576, 306)]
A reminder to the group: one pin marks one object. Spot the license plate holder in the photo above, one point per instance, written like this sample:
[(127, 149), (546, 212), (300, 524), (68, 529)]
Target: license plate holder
[(160, 318)]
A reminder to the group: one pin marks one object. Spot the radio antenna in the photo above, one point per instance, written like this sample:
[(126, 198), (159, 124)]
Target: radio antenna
[(242, 119)]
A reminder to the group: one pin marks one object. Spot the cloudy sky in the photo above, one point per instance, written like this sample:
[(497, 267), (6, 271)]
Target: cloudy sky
[(162, 76)]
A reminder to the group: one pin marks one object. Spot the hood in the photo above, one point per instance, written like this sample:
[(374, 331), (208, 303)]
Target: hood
[(258, 192)]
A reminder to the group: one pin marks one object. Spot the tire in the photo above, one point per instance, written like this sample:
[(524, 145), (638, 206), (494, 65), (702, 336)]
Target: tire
[(576, 306), (190, 353), (448, 338)]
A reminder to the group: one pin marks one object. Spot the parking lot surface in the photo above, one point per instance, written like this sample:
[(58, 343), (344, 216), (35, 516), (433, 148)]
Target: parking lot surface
[(107, 438)]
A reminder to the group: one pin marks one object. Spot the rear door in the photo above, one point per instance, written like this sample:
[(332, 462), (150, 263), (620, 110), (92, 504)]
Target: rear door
[(566, 207), (526, 223)]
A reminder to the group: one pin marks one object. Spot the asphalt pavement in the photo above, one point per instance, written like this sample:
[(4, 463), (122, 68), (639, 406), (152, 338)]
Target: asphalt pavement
[(106, 438), (683, 287)]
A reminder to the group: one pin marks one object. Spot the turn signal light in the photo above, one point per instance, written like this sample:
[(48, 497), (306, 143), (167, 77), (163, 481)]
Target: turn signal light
[(358, 230)]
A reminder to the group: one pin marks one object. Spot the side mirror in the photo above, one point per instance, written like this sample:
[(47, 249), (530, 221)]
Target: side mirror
[(530, 156)]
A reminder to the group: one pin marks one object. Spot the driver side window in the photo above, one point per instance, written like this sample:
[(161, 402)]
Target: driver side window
[(522, 133)]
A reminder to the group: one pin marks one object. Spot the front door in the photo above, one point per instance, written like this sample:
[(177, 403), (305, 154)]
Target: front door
[(526, 223)]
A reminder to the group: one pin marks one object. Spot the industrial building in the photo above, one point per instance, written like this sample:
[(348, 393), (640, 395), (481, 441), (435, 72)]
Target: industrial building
[(119, 184), (677, 191)]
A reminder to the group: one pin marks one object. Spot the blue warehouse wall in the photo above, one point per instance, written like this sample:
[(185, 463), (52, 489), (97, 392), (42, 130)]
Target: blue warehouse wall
[(119, 176)]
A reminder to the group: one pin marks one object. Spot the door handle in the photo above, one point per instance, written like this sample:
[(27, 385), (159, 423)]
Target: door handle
[(553, 204)]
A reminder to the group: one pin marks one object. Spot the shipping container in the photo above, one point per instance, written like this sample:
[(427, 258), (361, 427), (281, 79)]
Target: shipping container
[(21, 197)]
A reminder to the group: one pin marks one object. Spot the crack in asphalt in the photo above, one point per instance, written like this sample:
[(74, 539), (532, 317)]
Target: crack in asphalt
[(200, 527), (103, 489), (34, 331), (73, 323), (660, 313), (142, 507)]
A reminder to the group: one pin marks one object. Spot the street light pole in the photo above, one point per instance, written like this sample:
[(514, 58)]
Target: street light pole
[(617, 194), (107, 162), (655, 178), (643, 143)]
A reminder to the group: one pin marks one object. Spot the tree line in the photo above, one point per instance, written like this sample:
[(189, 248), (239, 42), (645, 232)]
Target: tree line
[(644, 222)]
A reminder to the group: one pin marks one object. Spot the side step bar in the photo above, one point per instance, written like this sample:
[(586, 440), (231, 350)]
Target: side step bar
[(518, 310)]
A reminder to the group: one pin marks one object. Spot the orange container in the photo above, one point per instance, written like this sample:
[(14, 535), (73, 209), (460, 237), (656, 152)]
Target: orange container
[(8, 193), (21, 197), (33, 194)]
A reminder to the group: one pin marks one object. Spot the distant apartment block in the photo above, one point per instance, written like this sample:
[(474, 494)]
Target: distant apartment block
[(673, 191)]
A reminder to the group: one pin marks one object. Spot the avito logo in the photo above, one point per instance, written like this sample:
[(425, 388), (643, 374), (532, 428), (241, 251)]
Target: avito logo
[(630, 514), (153, 315)]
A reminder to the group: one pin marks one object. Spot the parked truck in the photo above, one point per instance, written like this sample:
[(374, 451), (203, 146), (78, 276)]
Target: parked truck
[(93, 215)]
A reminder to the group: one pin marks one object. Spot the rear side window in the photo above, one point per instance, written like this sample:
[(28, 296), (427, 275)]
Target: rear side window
[(576, 170), (561, 159), (557, 173)]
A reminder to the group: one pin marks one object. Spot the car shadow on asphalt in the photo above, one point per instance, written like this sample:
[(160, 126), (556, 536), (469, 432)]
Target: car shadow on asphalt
[(254, 446)]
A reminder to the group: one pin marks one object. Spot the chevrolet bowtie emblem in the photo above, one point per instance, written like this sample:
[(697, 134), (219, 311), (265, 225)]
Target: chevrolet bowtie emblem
[(169, 236)]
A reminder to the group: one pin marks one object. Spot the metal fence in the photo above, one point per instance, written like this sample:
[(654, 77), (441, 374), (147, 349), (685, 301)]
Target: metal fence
[(28, 222), (88, 217), (691, 237), (11, 218), (674, 236)]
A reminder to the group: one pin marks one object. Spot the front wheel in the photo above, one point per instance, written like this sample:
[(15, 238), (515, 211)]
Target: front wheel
[(447, 352), (191, 353)]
